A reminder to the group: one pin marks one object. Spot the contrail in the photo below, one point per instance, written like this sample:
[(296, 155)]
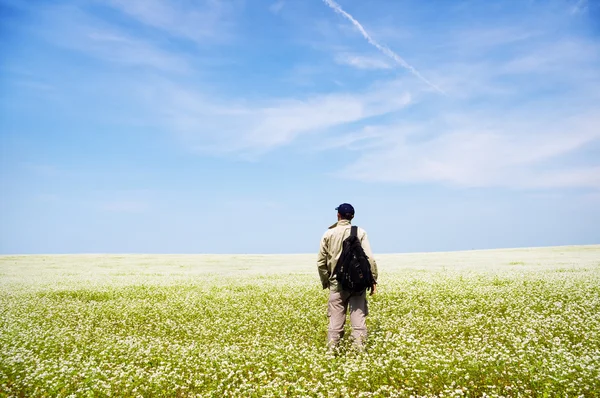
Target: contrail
[(337, 8)]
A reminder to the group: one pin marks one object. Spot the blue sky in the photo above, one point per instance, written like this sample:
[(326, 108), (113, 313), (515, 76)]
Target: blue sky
[(216, 126)]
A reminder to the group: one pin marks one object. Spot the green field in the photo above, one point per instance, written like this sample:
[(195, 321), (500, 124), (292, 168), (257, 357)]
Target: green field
[(468, 324)]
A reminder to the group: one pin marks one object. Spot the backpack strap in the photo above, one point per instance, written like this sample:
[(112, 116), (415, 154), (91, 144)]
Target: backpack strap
[(354, 231)]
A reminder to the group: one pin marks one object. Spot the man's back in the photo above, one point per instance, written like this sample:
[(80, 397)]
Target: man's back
[(331, 249)]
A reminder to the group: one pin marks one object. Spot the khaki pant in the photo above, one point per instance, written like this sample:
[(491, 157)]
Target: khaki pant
[(337, 309)]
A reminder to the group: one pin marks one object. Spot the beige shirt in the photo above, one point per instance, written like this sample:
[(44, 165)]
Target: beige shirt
[(331, 249)]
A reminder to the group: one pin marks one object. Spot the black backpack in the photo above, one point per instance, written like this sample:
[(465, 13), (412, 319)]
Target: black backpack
[(353, 270)]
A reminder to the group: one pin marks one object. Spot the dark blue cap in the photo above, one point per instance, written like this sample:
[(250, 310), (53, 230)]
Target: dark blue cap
[(345, 208)]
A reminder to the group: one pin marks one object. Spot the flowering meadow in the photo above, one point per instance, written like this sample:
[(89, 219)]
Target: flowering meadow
[(498, 323)]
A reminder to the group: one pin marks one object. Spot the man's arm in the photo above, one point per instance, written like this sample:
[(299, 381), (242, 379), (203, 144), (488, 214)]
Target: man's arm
[(322, 263), (367, 248)]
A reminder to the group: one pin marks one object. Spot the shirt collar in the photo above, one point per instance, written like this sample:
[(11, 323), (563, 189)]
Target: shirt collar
[(340, 223)]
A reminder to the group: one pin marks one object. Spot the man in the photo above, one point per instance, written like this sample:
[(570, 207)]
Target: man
[(339, 299)]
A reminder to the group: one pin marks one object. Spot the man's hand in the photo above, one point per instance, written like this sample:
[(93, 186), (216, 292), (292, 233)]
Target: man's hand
[(373, 288)]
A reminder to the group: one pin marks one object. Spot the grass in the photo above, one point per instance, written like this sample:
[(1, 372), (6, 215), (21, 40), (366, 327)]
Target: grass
[(443, 324)]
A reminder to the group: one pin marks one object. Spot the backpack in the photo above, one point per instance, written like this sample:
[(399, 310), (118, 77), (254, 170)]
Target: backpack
[(353, 270)]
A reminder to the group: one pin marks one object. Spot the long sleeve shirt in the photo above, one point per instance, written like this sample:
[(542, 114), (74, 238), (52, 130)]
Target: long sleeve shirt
[(331, 249)]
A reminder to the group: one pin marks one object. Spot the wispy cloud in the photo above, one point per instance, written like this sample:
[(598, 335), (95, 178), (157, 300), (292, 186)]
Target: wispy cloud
[(245, 128), (366, 138), (521, 112), (197, 21), (473, 154), (73, 28), (362, 62), (118, 48), (385, 50), (521, 99), (489, 134)]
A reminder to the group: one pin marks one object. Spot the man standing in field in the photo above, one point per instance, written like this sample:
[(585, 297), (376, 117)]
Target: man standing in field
[(340, 299)]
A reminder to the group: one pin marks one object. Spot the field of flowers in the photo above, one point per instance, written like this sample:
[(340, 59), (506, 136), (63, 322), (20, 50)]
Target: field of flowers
[(469, 324)]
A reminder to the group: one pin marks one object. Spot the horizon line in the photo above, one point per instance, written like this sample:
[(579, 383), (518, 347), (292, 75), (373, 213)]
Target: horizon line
[(296, 254)]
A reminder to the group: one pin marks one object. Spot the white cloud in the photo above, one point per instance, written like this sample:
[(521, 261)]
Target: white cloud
[(519, 102), (489, 38), (118, 48), (494, 128), (362, 62), (561, 57), (243, 128), (75, 29), (521, 112), (366, 138), (382, 48), (473, 155), (197, 21)]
